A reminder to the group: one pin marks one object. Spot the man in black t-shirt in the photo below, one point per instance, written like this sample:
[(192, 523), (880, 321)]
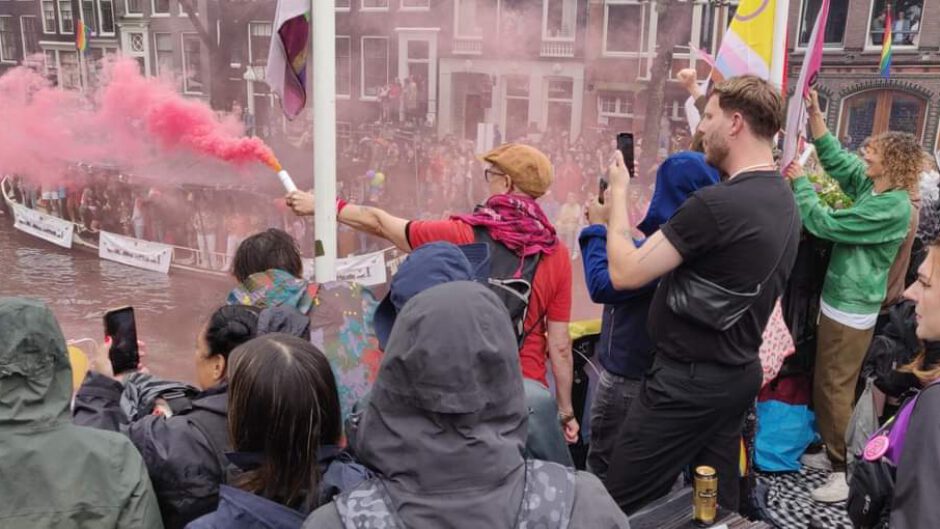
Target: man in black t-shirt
[(739, 234)]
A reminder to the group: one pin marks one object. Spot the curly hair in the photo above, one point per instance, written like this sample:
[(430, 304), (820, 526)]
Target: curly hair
[(902, 158)]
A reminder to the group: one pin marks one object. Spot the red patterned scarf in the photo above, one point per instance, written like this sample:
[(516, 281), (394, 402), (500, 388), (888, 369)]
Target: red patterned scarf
[(516, 221)]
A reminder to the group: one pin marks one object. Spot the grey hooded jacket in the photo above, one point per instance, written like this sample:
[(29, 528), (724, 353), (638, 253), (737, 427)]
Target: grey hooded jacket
[(53, 473), (445, 425)]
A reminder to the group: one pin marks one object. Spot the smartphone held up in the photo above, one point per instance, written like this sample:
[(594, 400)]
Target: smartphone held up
[(120, 328)]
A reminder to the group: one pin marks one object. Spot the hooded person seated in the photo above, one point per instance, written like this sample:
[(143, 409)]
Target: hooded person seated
[(184, 443), (445, 427), (52, 472), (269, 271)]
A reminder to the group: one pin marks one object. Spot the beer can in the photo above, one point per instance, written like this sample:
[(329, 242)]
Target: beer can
[(705, 495)]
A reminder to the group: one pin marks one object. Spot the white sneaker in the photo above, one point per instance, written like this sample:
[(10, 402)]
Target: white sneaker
[(835, 490), (817, 461)]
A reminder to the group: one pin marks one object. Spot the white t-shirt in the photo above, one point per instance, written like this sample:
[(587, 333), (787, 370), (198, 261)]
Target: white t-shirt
[(862, 322)]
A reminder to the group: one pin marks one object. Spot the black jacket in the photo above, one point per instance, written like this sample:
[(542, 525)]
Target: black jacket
[(184, 453)]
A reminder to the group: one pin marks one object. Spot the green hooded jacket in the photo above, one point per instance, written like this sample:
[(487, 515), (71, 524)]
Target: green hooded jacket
[(866, 236), (54, 474)]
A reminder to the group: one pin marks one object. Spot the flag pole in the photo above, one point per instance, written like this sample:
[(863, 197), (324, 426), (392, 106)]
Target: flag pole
[(323, 83)]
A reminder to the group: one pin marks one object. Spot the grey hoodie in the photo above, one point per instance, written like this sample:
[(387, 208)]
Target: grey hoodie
[(445, 425), (52, 473)]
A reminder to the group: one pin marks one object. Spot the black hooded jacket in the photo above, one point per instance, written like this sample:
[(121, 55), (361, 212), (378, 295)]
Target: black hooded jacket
[(445, 425)]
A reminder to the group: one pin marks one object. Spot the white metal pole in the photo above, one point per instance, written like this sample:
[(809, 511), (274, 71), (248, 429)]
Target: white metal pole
[(323, 80)]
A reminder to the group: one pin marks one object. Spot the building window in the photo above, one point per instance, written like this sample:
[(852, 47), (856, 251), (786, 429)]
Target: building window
[(517, 107), (613, 105), (192, 64), (716, 17), (106, 13), (160, 7), (624, 28), (375, 4), (560, 96), (374, 65), (133, 7), (163, 47), (906, 16), (29, 28), (342, 5), (69, 74), (415, 4), (7, 39), (343, 66), (835, 24), (66, 24), (873, 112), (559, 19), (259, 35), (48, 16), (52, 66), (88, 16), (468, 19)]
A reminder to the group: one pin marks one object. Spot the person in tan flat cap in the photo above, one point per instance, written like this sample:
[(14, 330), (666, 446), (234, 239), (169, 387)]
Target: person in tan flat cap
[(529, 270)]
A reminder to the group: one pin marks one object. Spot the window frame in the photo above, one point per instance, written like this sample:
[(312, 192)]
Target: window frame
[(574, 29), (133, 14), (457, 34), (872, 47), (365, 9), (250, 36), (348, 39), (59, 4), (403, 7), (344, 9), (3, 59), (184, 69), (826, 47), (156, 49), (160, 14), (362, 65), (55, 16), (93, 25), (23, 35), (621, 105), (646, 32), (100, 11)]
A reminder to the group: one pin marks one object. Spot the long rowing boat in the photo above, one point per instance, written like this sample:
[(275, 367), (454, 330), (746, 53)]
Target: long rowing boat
[(182, 260)]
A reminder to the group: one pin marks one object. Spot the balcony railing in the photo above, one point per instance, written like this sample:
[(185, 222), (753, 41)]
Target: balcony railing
[(551, 48), (468, 45)]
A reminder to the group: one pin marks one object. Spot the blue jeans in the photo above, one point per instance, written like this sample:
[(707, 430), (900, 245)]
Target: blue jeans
[(545, 440), (612, 400)]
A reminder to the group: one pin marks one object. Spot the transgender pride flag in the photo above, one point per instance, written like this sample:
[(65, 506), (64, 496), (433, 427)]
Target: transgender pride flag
[(754, 42), (287, 59)]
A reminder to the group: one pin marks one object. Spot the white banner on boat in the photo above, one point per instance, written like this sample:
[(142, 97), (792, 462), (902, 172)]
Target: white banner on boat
[(135, 252), (367, 270), (46, 227)]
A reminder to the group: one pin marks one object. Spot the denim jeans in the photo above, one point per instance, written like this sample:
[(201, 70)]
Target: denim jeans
[(612, 400), (545, 440)]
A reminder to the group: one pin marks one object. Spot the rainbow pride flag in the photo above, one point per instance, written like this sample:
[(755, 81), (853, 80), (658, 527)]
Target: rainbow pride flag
[(81, 36), (886, 45)]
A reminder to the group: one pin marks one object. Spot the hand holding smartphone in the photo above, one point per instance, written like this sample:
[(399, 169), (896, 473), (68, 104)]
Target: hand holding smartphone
[(120, 329)]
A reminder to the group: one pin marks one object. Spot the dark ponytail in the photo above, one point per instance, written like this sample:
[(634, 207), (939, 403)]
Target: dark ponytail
[(229, 327)]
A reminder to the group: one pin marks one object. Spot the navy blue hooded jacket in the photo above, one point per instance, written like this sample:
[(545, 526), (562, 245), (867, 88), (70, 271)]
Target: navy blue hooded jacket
[(625, 348)]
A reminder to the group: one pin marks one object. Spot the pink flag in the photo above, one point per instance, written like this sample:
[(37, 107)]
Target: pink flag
[(287, 59), (796, 111)]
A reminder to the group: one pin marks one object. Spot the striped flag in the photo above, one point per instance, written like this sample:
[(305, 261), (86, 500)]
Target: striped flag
[(886, 45), (81, 36), (287, 59), (752, 37)]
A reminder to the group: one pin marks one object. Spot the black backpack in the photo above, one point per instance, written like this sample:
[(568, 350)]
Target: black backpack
[(514, 291)]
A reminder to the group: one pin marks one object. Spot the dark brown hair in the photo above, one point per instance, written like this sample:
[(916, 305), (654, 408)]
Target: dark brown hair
[(755, 99), (283, 405), (272, 248)]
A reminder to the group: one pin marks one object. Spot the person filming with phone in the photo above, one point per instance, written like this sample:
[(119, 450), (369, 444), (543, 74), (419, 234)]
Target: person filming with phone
[(725, 257)]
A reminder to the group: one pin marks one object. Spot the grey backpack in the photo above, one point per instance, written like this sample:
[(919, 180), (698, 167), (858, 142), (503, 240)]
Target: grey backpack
[(546, 504)]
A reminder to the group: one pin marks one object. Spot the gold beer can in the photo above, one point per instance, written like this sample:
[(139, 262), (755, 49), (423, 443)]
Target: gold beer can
[(705, 495)]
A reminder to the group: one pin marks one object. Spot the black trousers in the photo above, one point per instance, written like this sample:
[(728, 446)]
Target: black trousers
[(685, 414)]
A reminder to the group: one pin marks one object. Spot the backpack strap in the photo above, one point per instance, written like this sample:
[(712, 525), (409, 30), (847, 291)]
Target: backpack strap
[(549, 496), (367, 506)]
